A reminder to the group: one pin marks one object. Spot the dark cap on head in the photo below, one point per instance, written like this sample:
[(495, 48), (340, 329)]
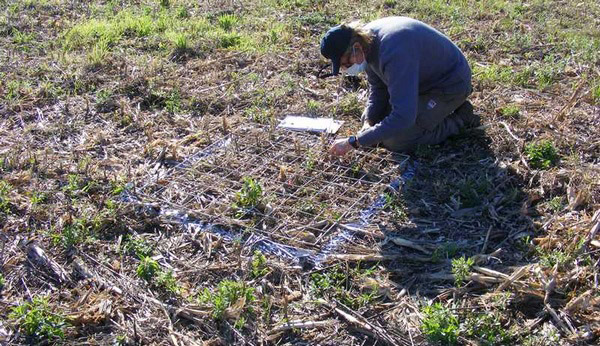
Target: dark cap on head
[(334, 45)]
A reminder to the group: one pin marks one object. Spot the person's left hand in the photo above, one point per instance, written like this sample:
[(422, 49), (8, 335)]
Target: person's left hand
[(340, 147)]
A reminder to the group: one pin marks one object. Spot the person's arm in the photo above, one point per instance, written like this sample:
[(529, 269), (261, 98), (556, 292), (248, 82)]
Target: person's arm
[(378, 100), (401, 69)]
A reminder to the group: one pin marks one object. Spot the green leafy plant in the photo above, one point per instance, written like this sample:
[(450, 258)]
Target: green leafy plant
[(510, 111), (37, 197), (556, 203), (230, 39), (596, 93), (472, 192), (440, 325), (168, 282), (322, 282), (2, 282), (147, 268), (137, 246), (38, 322), (228, 292), (541, 155), (173, 101), (227, 21), (249, 195), (445, 251), (259, 265), (5, 189), (461, 268), (393, 203), (350, 105), (488, 329), (310, 162), (73, 233), (313, 106)]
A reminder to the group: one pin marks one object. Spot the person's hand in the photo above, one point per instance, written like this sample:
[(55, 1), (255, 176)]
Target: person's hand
[(340, 147)]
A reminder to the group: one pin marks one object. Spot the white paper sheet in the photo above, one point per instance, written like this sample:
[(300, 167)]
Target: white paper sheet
[(300, 123)]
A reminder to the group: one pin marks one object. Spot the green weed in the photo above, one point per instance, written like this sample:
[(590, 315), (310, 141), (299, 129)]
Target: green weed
[(350, 105), (556, 204), (73, 233), (596, 93), (250, 194), (2, 282), (147, 268), (313, 106), (173, 101), (98, 54), (510, 111), (310, 161), (440, 325), (472, 192), (38, 322), (547, 72), (461, 268), (447, 250), (182, 12), (259, 115), (394, 204), (5, 189), (164, 3), (322, 282), (168, 282), (229, 40), (21, 37), (541, 155), (228, 292), (137, 246), (227, 21), (259, 265), (487, 329), (180, 40), (389, 3)]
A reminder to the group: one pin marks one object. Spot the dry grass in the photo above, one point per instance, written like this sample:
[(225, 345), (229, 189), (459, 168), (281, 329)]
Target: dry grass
[(139, 101)]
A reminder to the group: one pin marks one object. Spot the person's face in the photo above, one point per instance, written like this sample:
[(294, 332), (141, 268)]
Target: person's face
[(355, 56)]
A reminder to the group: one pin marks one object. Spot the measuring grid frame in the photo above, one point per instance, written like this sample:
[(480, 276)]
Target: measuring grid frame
[(253, 151)]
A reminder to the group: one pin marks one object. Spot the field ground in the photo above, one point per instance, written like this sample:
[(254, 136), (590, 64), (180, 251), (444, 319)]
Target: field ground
[(147, 197)]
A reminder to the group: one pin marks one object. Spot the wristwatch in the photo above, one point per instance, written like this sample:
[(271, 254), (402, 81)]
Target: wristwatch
[(353, 142)]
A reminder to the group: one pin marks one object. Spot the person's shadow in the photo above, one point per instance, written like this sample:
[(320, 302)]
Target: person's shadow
[(463, 201)]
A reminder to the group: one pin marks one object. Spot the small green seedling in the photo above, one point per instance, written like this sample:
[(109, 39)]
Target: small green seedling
[(248, 197), (228, 292), (168, 282), (5, 189), (227, 21), (461, 268), (147, 268), (73, 233), (510, 111), (38, 322), (440, 325), (541, 155), (488, 329), (259, 265), (138, 246)]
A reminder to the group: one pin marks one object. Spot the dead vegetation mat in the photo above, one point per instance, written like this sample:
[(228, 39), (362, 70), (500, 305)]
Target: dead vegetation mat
[(136, 191)]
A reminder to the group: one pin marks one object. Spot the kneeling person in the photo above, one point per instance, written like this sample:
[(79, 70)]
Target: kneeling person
[(418, 79)]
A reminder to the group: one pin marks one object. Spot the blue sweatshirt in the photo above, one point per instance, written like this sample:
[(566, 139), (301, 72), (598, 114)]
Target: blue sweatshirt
[(407, 58)]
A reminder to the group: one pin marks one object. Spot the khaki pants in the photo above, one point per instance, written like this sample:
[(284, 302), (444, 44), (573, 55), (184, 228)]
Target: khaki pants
[(436, 121)]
